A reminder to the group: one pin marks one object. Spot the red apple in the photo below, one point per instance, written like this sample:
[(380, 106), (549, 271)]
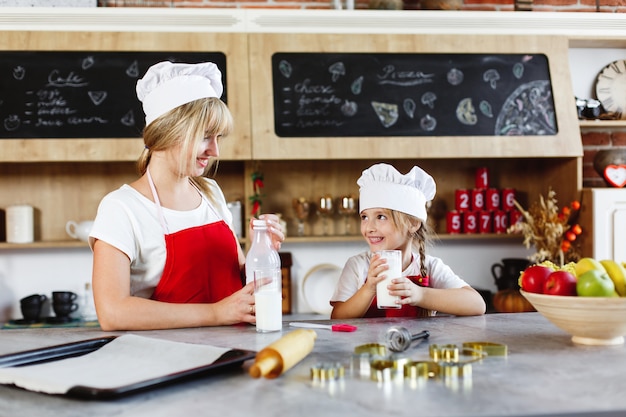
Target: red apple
[(534, 277), (560, 283)]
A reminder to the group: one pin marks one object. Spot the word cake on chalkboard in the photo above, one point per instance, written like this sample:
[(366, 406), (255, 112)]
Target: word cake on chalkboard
[(73, 94)]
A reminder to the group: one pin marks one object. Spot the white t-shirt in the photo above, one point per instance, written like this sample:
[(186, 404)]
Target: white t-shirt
[(130, 222), (354, 274)]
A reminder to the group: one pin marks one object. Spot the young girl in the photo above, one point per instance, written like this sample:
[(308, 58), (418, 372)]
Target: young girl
[(393, 216)]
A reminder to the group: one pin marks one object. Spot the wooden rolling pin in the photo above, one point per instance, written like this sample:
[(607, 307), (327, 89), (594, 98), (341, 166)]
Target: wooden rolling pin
[(283, 354)]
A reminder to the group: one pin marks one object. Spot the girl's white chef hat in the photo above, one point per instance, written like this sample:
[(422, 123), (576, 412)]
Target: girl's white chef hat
[(167, 85), (382, 186)]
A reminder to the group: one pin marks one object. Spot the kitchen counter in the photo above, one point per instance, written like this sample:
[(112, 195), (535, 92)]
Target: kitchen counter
[(543, 373)]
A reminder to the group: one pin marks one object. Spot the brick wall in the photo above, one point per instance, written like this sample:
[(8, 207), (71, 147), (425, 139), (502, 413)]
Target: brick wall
[(593, 141), (609, 6)]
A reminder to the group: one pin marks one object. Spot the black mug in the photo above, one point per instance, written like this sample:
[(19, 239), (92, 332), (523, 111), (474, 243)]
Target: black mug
[(31, 306), (506, 274), (63, 297), (64, 309), (63, 303)]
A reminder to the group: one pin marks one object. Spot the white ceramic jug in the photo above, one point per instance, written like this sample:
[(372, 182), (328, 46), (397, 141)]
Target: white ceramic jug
[(80, 230)]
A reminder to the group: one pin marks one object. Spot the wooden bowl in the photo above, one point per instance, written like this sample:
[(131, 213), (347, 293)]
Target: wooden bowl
[(590, 320)]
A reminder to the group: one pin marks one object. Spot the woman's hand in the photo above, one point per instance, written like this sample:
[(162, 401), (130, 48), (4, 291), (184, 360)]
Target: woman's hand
[(238, 307), (273, 226)]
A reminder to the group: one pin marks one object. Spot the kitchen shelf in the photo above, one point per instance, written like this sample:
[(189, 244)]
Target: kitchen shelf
[(443, 236), (47, 244), (52, 244), (593, 124)]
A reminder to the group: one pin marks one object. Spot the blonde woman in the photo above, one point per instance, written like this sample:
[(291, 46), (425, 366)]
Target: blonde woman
[(164, 252)]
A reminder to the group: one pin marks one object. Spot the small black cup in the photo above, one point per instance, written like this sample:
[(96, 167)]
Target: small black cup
[(63, 303), (31, 306), (63, 297), (64, 309)]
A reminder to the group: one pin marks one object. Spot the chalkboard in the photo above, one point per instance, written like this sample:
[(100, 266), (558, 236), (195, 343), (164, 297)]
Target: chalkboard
[(71, 94), (392, 94)]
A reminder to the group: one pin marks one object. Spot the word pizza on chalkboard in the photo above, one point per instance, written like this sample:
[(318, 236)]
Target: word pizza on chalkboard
[(390, 94), (46, 94)]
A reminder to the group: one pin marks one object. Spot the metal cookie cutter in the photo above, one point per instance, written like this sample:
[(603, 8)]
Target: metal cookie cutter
[(327, 371), (363, 355), (372, 349), (483, 349), (444, 353), (381, 370), (421, 370)]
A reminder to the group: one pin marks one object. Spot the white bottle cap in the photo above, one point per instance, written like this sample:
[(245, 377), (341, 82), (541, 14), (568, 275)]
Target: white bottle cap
[(259, 224)]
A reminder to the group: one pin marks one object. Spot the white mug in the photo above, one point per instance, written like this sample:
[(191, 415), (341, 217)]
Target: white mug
[(80, 230), (20, 224)]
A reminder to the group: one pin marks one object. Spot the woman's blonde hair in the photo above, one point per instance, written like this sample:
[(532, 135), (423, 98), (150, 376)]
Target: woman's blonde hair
[(187, 126), (419, 239)]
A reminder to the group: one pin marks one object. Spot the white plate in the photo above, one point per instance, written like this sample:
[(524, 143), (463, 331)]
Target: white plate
[(319, 285)]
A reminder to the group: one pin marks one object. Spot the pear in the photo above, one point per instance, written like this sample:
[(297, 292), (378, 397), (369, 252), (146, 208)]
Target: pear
[(587, 264)]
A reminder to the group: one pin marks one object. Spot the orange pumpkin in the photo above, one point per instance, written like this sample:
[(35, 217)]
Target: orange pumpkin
[(511, 301)]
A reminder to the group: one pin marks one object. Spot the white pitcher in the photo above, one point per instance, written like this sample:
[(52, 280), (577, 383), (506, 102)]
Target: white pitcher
[(80, 230)]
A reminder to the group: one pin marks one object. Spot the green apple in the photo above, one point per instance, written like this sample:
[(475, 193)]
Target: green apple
[(595, 283)]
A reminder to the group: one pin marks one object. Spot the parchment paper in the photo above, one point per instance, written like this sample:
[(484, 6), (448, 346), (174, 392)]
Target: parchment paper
[(126, 360)]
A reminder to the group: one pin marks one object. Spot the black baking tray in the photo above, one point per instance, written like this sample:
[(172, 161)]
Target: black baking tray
[(232, 359)]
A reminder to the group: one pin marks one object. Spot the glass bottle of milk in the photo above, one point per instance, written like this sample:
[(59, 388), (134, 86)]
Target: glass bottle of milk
[(263, 268)]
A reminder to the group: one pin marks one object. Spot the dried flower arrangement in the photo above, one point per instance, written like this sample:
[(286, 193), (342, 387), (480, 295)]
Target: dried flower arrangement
[(552, 231)]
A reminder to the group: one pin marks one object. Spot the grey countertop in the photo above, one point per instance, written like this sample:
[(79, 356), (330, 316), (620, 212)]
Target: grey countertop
[(543, 373)]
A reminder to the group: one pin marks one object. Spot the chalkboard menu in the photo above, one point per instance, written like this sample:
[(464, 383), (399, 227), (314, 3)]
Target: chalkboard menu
[(393, 94), (63, 94)]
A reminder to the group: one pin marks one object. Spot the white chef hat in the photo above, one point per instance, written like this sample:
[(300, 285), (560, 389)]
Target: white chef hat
[(167, 85), (382, 186)]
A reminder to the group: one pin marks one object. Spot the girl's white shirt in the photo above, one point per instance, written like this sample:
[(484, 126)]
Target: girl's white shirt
[(354, 274), (129, 221)]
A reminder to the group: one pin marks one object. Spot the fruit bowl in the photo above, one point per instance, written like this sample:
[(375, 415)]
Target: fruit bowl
[(590, 320)]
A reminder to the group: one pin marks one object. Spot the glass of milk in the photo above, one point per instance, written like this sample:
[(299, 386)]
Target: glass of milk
[(268, 299), (394, 261)]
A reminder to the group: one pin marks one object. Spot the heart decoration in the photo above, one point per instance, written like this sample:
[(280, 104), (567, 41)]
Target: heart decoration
[(615, 175)]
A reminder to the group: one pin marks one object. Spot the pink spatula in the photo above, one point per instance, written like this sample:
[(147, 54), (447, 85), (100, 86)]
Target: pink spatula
[(341, 327)]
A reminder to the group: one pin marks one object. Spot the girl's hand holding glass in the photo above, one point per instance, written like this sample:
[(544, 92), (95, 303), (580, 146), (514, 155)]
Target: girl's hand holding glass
[(376, 272), (409, 292)]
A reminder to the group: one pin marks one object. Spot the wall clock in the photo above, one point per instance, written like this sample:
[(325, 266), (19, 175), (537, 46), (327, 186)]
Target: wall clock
[(611, 87)]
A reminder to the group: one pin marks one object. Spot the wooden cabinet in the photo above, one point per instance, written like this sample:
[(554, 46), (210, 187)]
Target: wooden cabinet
[(268, 146), (66, 178), (95, 149), (312, 167)]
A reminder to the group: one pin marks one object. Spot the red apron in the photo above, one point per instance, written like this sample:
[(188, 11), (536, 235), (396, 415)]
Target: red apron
[(201, 265), (406, 310)]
